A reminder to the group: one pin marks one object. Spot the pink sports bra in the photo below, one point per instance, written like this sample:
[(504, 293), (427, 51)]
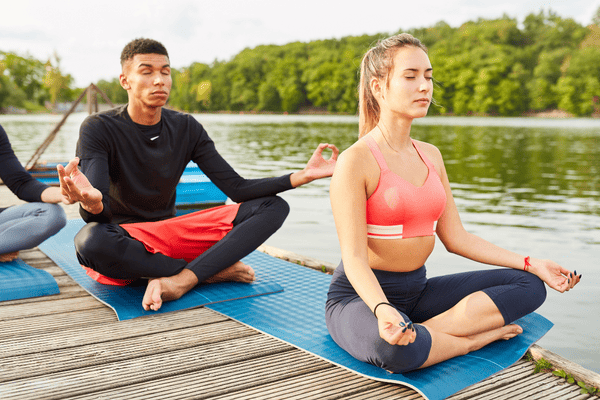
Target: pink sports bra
[(398, 209)]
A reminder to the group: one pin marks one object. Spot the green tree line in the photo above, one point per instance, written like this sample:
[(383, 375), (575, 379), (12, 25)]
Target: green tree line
[(484, 67), (28, 83)]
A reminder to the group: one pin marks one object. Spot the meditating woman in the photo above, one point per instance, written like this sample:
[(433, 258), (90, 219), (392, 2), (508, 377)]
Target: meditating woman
[(389, 195), (27, 225)]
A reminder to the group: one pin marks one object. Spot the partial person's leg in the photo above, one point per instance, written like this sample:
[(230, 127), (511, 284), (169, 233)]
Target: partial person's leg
[(355, 329), (473, 302), (26, 226), (109, 250), (474, 308), (255, 222)]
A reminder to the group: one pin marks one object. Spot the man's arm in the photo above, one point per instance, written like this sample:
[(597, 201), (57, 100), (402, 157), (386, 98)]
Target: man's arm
[(317, 166), (76, 187), (240, 189), (90, 185)]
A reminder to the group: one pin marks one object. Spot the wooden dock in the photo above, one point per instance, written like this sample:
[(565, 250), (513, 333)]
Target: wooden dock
[(71, 346)]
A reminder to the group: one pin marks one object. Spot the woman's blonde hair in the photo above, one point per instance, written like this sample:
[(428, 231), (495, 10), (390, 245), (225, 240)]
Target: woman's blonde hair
[(378, 62)]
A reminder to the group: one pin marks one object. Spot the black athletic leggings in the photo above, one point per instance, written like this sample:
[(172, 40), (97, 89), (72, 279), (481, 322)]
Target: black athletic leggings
[(112, 252)]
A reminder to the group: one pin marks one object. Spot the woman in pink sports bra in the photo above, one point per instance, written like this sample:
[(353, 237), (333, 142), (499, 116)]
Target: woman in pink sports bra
[(389, 195)]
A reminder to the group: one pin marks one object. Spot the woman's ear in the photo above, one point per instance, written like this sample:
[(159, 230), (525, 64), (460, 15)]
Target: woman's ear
[(376, 86)]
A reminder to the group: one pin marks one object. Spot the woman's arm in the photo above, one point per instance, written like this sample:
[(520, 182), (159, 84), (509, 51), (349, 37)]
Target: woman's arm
[(12, 173), (53, 195), (457, 240), (348, 195)]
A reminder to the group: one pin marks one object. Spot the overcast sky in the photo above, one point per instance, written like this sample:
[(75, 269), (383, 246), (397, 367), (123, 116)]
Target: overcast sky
[(89, 36)]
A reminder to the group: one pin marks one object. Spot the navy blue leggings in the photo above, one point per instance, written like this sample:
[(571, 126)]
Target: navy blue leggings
[(111, 251), (354, 328)]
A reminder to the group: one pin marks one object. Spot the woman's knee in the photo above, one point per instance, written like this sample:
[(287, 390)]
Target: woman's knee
[(354, 329), (401, 359), (536, 290), (56, 216)]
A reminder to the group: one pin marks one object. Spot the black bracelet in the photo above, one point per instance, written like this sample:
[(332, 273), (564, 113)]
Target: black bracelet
[(383, 302)]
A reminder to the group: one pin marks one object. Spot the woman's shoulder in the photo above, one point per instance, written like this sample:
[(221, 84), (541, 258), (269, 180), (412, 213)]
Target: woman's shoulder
[(357, 154), (430, 150)]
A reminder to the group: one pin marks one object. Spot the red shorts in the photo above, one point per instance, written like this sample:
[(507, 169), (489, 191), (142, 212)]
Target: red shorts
[(184, 237)]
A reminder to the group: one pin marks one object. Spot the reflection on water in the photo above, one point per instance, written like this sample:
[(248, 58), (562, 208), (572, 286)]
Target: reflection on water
[(529, 185)]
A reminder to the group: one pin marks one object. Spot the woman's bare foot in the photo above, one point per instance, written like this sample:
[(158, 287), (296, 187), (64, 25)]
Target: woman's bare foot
[(503, 333), (7, 257), (238, 272)]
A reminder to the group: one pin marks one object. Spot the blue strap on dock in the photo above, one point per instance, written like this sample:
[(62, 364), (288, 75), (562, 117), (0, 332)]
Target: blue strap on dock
[(21, 281), (126, 301), (297, 316)]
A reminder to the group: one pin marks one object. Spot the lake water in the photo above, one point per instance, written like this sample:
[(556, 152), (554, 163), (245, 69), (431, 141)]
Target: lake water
[(529, 185)]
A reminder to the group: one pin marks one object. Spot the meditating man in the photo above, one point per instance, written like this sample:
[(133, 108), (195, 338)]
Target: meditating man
[(129, 161)]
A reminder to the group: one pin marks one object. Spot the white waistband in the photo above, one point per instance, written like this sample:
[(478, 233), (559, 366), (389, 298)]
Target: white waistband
[(384, 232), (388, 231)]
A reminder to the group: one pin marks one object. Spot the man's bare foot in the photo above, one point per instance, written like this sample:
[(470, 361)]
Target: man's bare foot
[(238, 272), (167, 289), (7, 257)]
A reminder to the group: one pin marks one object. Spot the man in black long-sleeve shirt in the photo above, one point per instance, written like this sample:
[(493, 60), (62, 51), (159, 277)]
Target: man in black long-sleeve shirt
[(131, 160)]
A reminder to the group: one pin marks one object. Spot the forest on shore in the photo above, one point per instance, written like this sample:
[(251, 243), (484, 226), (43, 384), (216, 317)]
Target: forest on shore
[(500, 67)]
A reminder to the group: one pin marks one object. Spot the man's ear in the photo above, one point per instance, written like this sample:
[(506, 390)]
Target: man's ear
[(123, 81)]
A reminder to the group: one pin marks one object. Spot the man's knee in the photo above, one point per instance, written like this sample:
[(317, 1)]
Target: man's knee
[(280, 209), (91, 241)]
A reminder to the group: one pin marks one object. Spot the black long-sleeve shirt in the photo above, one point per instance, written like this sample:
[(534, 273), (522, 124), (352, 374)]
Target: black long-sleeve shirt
[(12, 173), (138, 176)]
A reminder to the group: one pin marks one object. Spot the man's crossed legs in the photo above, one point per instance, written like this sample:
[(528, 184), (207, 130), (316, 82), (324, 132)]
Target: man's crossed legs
[(178, 253)]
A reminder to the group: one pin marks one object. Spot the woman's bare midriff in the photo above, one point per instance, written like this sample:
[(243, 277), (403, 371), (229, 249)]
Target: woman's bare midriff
[(400, 255)]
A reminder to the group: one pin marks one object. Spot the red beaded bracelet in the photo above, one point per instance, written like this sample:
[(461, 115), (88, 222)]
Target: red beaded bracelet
[(527, 265)]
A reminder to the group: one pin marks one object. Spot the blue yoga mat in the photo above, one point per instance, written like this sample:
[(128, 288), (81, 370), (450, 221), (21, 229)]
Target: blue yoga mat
[(297, 316), (21, 281), (126, 301)]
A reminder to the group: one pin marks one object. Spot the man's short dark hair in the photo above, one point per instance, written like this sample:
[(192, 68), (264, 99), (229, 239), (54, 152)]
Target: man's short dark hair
[(142, 46)]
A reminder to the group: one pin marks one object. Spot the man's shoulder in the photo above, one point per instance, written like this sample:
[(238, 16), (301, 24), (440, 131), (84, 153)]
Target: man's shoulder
[(178, 116), (183, 123), (97, 120)]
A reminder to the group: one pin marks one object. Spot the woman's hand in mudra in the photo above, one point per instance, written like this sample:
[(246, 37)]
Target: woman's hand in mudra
[(392, 327)]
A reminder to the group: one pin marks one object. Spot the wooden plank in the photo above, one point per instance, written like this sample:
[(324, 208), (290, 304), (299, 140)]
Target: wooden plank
[(543, 389), (579, 373), (118, 350), (516, 389), (388, 392), (309, 262), (521, 370), (105, 333), (148, 368), (46, 324), (326, 384), (218, 380), (560, 392), (33, 309)]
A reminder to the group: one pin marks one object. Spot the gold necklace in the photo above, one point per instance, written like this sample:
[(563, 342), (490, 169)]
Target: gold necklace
[(384, 138)]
